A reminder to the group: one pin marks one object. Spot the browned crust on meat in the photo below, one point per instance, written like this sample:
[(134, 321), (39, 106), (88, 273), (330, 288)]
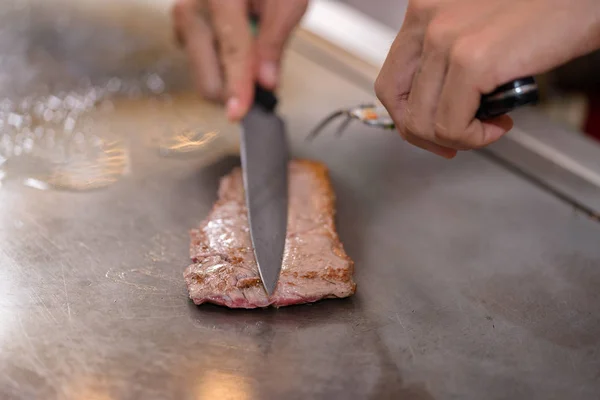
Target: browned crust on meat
[(249, 282), (250, 286), (322, 174)]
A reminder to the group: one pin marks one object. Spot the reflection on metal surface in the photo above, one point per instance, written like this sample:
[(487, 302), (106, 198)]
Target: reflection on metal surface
[(548, 152), (193, 128), (187, 142), (8, 302), (56, 101), (78, 168), (36, 184), (92, 171), (52, 142), (223, 386), (134, 279), (86, 389)]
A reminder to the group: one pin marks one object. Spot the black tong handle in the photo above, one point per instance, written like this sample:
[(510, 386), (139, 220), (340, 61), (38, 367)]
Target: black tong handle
[(508, 97)]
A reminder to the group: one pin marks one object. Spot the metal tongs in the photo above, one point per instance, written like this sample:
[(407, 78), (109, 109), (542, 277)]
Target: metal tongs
[(504, 99), (368, 114)]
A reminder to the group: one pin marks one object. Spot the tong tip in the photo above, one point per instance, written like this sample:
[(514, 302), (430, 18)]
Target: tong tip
[(319, 128)]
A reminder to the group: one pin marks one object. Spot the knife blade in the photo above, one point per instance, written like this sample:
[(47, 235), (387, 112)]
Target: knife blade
[(265, 156)]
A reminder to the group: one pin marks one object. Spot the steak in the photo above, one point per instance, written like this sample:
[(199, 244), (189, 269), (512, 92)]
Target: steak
[(315, 265)]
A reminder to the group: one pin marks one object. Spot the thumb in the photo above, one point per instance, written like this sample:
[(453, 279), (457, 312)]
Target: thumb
[(278, 20)]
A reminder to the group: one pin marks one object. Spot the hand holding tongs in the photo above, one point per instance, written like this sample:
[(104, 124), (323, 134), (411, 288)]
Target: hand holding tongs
[(504, 99)]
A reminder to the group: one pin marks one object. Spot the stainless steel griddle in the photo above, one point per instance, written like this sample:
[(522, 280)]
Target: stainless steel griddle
[(473, 282)]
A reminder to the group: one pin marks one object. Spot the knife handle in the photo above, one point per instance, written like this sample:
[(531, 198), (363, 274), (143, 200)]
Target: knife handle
[(264, 98), (508, 97)]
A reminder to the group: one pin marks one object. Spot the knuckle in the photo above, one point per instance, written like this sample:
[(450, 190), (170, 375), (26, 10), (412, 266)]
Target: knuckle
[(181, 8), (302, 5), (442, 134), (412, 140), (178, 13), (211, 92), (475, 59), (438, 36), (412, 125), (446, 139), (186, 16), (380, 88), (214, 4), (385, 86), (469, 55), (232, 51), (272, 44), (404, 133), (421, 7)]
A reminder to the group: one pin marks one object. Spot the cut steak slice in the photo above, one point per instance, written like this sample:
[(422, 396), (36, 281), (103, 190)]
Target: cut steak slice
[(315, 265)]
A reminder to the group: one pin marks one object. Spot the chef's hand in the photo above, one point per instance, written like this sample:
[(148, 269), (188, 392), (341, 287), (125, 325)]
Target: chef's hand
[(225, 58), (450, 52)]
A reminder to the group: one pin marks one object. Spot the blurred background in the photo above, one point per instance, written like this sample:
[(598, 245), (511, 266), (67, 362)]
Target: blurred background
[(66, 63), (569, 94)]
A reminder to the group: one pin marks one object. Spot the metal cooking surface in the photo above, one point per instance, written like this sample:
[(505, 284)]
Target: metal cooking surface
[(471, 282)]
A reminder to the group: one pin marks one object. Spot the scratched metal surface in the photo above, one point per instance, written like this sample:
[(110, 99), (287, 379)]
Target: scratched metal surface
[(471, 282)]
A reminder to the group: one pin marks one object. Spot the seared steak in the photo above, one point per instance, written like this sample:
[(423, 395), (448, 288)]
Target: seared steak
[(315, 266)]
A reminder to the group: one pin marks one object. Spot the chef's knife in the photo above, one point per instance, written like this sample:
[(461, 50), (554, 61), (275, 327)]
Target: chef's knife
[(265, 157)]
